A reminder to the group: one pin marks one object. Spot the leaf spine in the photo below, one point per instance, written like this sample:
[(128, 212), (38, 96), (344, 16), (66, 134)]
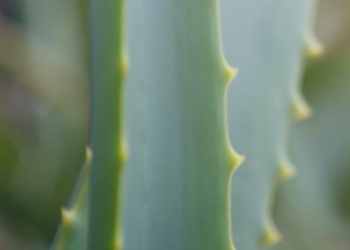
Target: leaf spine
[(230, 73), (88, 156), (124, 63), (68, 218), (236, 159), (270, 234), (286, 169), (300, 110), (314, 48), (123, 153)]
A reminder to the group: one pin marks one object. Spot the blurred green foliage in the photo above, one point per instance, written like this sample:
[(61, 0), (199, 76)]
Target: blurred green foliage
[(43, 115)]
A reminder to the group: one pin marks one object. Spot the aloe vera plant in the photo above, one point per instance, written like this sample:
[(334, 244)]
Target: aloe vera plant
[(202, 177), (176, 192), (101, 211)]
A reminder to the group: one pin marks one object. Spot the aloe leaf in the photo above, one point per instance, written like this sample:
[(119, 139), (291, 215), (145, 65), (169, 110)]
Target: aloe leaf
[(179, 192), (267, 40), (108, 69), (182, 195), (135, 194)]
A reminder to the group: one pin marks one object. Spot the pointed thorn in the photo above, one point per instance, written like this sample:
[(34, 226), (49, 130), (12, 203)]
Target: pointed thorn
[(270, 234), (118, 243), (124, 152), (124, 63), (286, 170), (236, 159), (230, 73), (68, 217), (314, 48), (301, 109), (88, 155)]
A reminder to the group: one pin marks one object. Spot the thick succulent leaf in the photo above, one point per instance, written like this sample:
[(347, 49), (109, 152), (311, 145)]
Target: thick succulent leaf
[(180, 159), (108, 69), (267, 41)]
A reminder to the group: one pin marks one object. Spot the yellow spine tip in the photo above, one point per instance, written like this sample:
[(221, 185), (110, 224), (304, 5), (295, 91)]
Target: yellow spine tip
[(68, 217), (88, 154), (118, 244), (124, 63), (301, 110), (286, 170), (124, 152), (270, 234), (230, 73), (236, 159), (314, 48)]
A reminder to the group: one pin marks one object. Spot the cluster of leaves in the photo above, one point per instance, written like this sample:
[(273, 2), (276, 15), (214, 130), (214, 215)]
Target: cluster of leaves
[(44, 128)]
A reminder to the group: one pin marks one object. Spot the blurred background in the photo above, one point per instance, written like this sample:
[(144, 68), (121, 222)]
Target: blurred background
[(44, 114), (313, 210)]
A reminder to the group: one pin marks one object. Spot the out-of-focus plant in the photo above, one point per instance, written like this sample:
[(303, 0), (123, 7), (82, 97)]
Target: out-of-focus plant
[(43, 112), (313, 208), (269, 45)]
